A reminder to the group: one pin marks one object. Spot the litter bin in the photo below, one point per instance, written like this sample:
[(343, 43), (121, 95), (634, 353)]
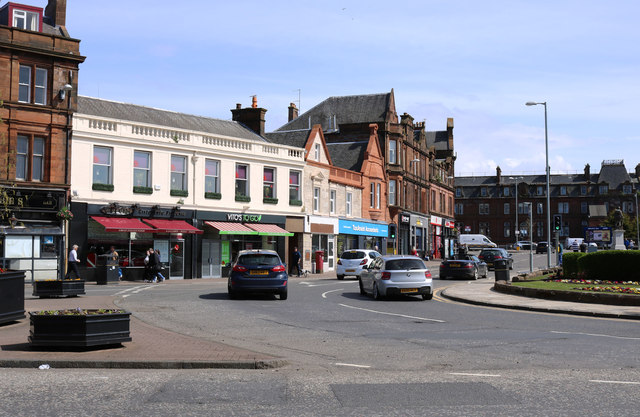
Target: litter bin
[(319, 261), (107, 275), (501, 267)]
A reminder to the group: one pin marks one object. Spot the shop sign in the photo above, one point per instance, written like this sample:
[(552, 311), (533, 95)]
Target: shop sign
[(449, 224), (244, 218), (436, 221), (115, 209), (362, 228), (467, 229), (405, 218)]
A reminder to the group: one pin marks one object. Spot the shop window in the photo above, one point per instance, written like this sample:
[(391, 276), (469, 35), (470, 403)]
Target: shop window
[(102, 165)]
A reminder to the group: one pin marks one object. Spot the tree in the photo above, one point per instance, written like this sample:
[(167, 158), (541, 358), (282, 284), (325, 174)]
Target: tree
[(628, 224)]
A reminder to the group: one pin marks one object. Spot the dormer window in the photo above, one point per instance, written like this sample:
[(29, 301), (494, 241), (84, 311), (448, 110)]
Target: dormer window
[(23, 19)]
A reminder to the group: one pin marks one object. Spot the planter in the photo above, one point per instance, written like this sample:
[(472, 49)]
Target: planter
[(57, 288), (11, 296), (92, 328)]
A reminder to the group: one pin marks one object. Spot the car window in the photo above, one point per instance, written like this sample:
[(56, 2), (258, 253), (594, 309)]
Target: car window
[(373, 255), (353, 255), (404, 264), (259, 260)]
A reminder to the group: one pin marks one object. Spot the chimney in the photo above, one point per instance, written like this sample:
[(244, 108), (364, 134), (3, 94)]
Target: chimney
[(252, 117), (56, 11), (587, 172), (498, 175), (293, 111)]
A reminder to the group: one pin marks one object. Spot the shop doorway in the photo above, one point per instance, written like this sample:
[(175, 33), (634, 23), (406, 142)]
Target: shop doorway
[(211, 262), (176, 259)]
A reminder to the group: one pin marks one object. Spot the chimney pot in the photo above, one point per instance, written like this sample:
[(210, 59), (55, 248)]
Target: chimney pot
[(254, 102), (293, 112), (238, 106)]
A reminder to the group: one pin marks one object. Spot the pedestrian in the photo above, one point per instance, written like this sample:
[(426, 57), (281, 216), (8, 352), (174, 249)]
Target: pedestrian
[(112, 257), (73, 262), (158, 271), (148, 267), (295, 261), (414, 252)]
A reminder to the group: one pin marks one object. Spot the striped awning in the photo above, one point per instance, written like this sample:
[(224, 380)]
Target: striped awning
[(229, 228), (268, 229)]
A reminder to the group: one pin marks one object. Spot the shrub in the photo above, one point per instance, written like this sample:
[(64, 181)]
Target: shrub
[(570, 264), (614, 265)]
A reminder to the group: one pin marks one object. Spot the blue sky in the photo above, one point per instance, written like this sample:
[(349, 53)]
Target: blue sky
[(478, 62)]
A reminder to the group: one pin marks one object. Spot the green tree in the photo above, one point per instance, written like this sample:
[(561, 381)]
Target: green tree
[(628, 224)]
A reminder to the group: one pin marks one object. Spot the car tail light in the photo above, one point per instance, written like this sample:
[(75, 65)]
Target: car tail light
[(469, 266), (386, 275), (364, 261), (497, 257), (481, 256), (427, 274), (278, 268), (239, 268)]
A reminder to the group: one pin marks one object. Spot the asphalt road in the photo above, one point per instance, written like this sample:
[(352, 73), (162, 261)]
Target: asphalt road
[(352, 355)]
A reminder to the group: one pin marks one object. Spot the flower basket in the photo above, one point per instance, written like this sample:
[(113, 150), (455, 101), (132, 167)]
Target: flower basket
[(58, 288), (65, 213), (11, 295), (79, 328)]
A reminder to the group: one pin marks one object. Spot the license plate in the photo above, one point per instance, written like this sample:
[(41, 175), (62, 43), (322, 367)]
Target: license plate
[(454, 265), (408, 290), (349, 270), (259, 272)]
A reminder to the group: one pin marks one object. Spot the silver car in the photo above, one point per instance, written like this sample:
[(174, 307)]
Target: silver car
[(353, 262), (396, 275)]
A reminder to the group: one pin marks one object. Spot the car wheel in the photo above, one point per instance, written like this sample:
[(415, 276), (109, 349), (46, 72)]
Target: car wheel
[(427, 296), (362, 291), (376, 292), (340, 277), (283, 294), (232, 294), (443, 277)]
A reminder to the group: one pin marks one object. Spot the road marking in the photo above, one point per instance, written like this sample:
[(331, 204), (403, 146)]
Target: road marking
[(614, 382), (324, 294), (466, 374), (598, 335), (393, 314), (134, 290), (308, 284), (353, 365)]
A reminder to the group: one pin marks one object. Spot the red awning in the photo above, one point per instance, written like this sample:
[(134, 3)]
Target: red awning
[(229, 228), (122, 224), (268, 229), (172, 226)]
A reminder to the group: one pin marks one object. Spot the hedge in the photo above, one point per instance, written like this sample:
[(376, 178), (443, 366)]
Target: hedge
[(613, 265), (570, 263)]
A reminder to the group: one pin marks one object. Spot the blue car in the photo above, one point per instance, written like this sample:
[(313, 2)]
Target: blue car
[(258, 271)]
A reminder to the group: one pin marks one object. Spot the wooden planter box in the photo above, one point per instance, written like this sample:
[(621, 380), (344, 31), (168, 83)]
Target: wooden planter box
[(11, 296), (64, 288), (79, 330)]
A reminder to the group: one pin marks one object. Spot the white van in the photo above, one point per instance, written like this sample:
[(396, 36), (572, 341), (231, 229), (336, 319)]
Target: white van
[(475, 241)]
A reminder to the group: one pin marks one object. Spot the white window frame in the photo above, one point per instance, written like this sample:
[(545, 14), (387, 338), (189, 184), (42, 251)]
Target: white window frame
[(295, 188), (372, 196), (38, 157), (177, 175), (393, 152), (108, 165), (23, 17), (40, 88), (24, 84), (563, 190), (317, 152), (22, 158), (539, 190), (145, 171), (271, 184), (244, 181), (349, 201), (539, 208), (212, 177), (332, 201), (316, 199), (378, 188), (392, 192)]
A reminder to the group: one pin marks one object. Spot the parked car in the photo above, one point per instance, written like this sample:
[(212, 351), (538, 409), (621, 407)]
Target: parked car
[(541, 247), (466, 266), (395, 275), (524, 245), (258, 271), (353, 262), (491, 255)]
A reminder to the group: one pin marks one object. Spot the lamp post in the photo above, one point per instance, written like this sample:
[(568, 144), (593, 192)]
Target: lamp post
[(517, 229), (546, 151), (637, 224)]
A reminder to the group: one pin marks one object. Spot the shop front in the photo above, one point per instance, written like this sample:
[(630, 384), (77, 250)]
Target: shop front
[(322, 231), (404, 234), (420, 235), (361, 235)]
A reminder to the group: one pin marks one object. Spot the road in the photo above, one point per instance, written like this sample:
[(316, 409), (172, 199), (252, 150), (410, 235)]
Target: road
[(352, 355)]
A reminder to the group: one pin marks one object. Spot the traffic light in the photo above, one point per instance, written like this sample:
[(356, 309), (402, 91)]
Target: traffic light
[(557, 222), (392, 231)]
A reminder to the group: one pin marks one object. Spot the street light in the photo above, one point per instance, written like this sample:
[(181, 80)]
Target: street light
[(517, 232), (637, 224), (546, 151)]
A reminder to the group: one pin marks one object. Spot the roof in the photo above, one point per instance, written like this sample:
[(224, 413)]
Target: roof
[(613, 174), (348, 155), (297, 138), (141, 114), (368, 108), (438, 139)]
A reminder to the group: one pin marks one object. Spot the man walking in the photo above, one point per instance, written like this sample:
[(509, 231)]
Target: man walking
[(73, 262), (295, 260)]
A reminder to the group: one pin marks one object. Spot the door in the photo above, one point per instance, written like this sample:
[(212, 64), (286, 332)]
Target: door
[(331, 253), (176, 259), (211, 261)]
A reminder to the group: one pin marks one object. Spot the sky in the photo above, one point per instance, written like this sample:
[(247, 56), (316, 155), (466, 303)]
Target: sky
[(477, 62)]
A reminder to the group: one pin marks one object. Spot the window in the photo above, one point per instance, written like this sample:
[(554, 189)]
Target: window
[(37, 170), (507, 229), (584, 207), (626, 189), (563, 207), (349, 198), (393, 151), (269, 183), (23, 19), (484, 229), (294, 186), (316, 198), (540, 208), (332, 201), (563, 190), (242, 180), (483, 208), (458, 192), (102, 165), (583, 190), (459, 209), (539, 229), (178, 173), (506, 191), (372, 196), (38, 94), (22, 157), (507, 208), (211, 176), (627, 207), (392, 192), (539, 190), (378, 195), (483, 191), (603, 189), (141, 169), (317, 152)]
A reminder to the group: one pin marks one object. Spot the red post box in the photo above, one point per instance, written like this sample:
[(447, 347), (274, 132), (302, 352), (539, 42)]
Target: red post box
[(319, 261)]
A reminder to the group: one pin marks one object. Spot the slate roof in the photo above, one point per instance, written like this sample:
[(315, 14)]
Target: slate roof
[(141, 114), (613, 174), (368, 108), (296, 138), (438, 139), (348, 155)]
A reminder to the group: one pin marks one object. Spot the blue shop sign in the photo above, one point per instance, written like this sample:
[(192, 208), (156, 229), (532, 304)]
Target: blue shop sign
[(363, 229)]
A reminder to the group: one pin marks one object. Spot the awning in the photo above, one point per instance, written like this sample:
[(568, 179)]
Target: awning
[(122, 224), (228, 228), (172, 226), (268, 229)]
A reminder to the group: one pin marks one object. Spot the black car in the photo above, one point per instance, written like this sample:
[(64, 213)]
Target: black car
[(258, 271), (542, 247), (493, 254), (466, 266)]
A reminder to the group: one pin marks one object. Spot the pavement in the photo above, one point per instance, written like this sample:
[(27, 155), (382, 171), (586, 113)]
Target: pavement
[(155, 348)]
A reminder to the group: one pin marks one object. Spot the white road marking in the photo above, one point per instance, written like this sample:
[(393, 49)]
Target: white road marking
[(324, 294), (598, 335), (393, 314), (465, 374), (614, 382), (353, 365), (308, 284), (133, 290)]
